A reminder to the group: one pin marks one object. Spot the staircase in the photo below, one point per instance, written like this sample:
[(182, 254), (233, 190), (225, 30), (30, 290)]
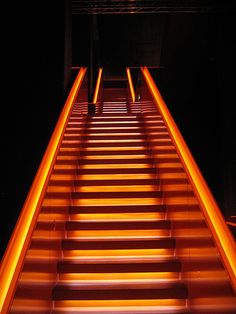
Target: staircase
[(120, 229)]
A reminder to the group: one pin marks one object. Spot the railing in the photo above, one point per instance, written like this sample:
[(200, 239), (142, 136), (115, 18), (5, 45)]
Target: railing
[(220, 231), (15, 253), (97, 88), (93, 106), (131, 86)]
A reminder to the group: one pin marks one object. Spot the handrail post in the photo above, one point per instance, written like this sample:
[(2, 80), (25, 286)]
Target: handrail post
[(131, 85), (220, 231), (92, 106)]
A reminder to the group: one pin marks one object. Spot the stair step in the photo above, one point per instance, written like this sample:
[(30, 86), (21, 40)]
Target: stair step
[(173, 265), (120, 170), (160, 306), (115, 124), (134, 160), (78, 225), (67, 160), (119, 129), (115, 144), (115, 137), (113, 150), (105, 171), (179, 212), (123, 194), (165, 291), (170, 188), (118, 245), (117, 209), (120, 182)]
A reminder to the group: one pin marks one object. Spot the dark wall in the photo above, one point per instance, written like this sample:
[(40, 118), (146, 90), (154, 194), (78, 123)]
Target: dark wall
[(32, 57), (123, 40), (197, 81)]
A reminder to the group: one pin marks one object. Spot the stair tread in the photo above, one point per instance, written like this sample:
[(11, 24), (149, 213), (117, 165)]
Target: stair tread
[(123, 194), (169, 290), (116, 245), (124, 225), (164, 265)]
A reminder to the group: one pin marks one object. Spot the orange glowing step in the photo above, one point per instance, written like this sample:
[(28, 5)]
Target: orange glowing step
[(114, 254), (165, 291), (125, 216), (119, 188), (178, 306), (116, 235), (120, 201), (128, 279)]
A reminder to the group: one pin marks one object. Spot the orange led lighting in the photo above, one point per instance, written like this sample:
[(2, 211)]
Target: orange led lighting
[(118, 234), (131, 86), (139, 277), (128, 253), (132, 216), (123, 306), (231, 223), (14, 255), (222, 235), (95, 96)]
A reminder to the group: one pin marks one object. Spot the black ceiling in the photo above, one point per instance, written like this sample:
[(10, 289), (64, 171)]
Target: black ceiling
[(148, 6)]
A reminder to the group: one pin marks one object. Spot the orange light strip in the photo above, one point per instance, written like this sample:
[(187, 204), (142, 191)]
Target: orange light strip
[(231, 223), (14, 255), (95, 96), (131, 86), (222, 235)]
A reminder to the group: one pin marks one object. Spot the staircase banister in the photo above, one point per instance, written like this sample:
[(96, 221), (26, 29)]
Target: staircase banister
[(131, 86), (14, 255), (223, 237), (97, 87)]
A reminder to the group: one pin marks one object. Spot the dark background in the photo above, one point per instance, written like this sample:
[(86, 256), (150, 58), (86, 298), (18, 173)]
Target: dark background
[(196, 56)]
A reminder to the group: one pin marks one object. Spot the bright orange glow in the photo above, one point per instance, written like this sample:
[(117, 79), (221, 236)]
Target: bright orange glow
[(216, 222), (213, 275), (116, 166), (39, 234), (123, 305), (120, 253), (95, 96), (14, 255), (184, 214), (38, 254), (131, 86), (29, 305), (140, 156), (118, 234), (219, 303), (115, 188), (132, 216), (37, 277), (196, 252), (124, 201), (149, 277), (233, 224)]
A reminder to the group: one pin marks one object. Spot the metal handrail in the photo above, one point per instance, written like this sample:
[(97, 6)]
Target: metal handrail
[(131, 86), (223, 237), (15, 252), (95, 96)]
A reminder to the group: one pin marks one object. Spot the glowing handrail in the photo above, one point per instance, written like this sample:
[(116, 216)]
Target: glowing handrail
[(221, 233), (14, 255), (131, 86), (95, 96)]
